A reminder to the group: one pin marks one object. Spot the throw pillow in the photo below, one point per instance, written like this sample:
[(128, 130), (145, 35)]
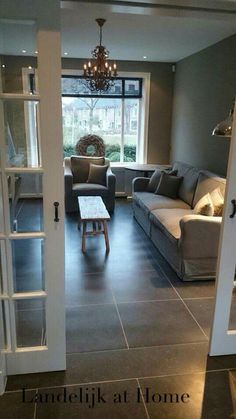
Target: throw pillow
[(155, 178), (169, 185), (204, 206), (97, 174), (218, 202)]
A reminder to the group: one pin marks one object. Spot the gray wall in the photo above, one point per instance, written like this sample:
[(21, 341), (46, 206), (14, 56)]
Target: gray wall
[(205, 84)]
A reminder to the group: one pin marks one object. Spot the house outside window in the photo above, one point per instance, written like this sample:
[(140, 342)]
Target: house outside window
[(115, 116)]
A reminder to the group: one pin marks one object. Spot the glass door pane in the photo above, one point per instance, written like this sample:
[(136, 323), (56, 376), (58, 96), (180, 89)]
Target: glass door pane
[(25, 193), (18, 51)]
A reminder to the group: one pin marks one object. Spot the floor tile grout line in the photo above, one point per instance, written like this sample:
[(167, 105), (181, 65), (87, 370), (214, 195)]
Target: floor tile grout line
[(137, 348), (198, 298), (185, 305), (121, 379), (123, 302), (144, 404), (122, 327)]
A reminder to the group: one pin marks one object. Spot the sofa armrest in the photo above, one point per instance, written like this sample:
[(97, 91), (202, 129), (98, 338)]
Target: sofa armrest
[(199, 236), (68, 176), (139, 184), (111, 181)]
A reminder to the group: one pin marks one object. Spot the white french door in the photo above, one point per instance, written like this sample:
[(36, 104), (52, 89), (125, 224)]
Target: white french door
[(32, 311), (223, 334)]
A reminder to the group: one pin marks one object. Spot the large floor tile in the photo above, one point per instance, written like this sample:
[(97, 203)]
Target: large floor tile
[(112, 400), (203, 310), (88, 289), (92, 328), (186, 289), (123, 364), (210, 396), (149, 285), (16, 406), (159, 323)]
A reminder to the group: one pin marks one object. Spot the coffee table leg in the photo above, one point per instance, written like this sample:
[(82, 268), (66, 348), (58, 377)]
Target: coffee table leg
[(106, 236), (84, 237)]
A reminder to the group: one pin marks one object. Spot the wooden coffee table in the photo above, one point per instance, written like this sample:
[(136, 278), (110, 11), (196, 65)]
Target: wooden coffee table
[(92, 210)]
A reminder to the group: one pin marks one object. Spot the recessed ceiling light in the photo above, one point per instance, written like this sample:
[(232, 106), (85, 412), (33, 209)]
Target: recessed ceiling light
[(3, 66), (23, 51), (145, 57), (65, 53)]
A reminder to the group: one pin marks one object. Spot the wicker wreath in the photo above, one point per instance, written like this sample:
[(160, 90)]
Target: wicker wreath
[(90, 145)]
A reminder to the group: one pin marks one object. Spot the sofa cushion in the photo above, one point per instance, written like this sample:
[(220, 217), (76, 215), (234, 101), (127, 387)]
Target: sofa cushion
[(156, 177), (207, 182), (80, 167), (169, 185), (167, 220), (188, 185), (97, 174), (149, 201), (218, 202), (204, 206), (86, 189), (154, 180)]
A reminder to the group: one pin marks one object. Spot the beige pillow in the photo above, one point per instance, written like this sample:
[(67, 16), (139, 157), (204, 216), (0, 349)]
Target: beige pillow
[(218, 202), (204, 206), (97, 174)]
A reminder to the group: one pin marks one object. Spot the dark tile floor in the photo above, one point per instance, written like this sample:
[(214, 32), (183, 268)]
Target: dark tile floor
[(131, 325)]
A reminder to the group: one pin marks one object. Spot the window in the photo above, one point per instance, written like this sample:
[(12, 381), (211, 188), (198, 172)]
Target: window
[(120, 117), (114, 116)]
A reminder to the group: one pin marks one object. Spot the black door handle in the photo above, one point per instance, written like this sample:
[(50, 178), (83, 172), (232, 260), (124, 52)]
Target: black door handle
[(234, 208), (56, 205)]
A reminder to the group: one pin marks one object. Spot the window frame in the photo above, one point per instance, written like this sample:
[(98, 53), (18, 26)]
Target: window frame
[(143, 121), (122, 95), (142, 146)]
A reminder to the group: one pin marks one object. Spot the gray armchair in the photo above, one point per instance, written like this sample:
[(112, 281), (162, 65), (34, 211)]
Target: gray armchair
[(76, 170)]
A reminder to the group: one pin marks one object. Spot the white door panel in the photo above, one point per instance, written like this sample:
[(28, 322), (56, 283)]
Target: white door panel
[(32, 242)]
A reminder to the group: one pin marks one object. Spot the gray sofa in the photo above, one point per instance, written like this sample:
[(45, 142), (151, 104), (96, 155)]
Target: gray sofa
[(189, 242), (76, 170)]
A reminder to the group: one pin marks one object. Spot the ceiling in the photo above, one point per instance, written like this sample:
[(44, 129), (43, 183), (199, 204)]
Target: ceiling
[(159, 30)]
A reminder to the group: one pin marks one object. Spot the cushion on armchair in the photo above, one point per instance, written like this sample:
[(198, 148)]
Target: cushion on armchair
[(97, 174), (80, 167)]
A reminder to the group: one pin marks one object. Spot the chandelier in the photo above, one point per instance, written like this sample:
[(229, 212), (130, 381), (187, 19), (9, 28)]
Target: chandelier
[(99, 73)]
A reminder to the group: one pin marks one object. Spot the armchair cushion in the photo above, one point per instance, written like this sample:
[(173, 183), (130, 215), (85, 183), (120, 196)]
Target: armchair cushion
[(97, 174), (80, 167), (86, 189)]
